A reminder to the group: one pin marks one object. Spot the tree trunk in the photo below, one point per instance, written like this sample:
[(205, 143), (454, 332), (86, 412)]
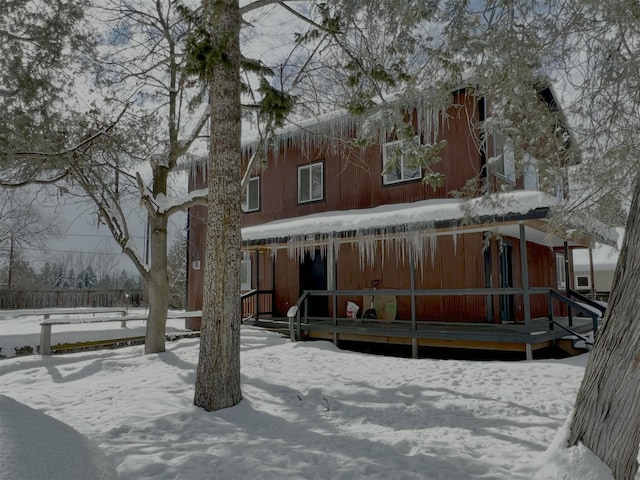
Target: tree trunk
[(157, 286), (218, 375), (607, 410)]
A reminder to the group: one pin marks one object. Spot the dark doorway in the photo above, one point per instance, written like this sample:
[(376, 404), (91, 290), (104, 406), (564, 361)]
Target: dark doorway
[(505, 259), (313, 276)]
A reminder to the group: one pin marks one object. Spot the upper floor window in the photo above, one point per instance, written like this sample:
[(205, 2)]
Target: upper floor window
[(310, 182), (251, 200), (505, 157), (394, 163), (530, 174)]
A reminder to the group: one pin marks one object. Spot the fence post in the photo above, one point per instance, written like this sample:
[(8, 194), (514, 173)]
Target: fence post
[(45, 337), (292, 314)]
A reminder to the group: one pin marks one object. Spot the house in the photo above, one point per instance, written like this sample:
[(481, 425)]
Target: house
[(326, 224), (593, 269)]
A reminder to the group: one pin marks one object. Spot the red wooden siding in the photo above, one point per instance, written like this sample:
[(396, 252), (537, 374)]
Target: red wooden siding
[(196, 240), (353, 177), (454, 267), (394, 273), (542, 273)]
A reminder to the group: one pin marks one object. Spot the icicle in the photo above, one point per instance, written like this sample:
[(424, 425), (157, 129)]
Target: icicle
[(432, 240), (415, 241), (454, 228), (421, 263)]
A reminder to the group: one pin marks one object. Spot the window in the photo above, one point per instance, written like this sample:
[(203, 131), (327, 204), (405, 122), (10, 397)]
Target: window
[(394, 165), (505, 158), (560, 272), (560, 188), (530, 173), (310, 183), (251, 200), (245, 274), (583, 282)]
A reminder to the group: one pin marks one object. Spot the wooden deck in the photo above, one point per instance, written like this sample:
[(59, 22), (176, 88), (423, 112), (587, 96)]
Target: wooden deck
[(481, 336)]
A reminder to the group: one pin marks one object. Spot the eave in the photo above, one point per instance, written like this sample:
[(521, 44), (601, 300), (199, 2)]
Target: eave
[(498, 214)]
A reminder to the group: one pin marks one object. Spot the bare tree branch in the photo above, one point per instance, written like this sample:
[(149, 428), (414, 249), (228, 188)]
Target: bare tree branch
[(37, 181)]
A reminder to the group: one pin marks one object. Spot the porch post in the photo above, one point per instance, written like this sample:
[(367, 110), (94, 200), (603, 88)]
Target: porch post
[(273, 278), (332, 281), (488, 273), (257, 286), (414, 325), (592, 275), (567, 280), (524, 263)]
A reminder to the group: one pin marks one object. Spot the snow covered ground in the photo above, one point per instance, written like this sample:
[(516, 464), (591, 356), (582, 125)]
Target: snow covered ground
[(310, 411), (24, 331), (25, 433)]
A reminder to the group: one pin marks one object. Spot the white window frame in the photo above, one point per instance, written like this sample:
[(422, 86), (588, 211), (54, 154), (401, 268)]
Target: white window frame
[(583, 287), (404, 177), (246, 201), (311, 168), (245, 274)]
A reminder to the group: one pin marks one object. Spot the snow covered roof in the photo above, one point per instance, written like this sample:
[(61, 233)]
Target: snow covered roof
[(404, 217), (605, 257)]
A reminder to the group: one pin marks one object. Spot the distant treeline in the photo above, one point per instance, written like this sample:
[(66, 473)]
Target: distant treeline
[(82, 280), (71, 298)]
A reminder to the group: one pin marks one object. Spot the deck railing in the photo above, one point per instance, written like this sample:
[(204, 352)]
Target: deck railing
[(589, 309), (255, 303), (586, 300)]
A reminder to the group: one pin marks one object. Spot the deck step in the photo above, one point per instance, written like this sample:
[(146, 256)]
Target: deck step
[(277, 325)]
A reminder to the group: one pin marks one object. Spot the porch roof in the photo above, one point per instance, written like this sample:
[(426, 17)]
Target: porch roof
[(492, 212)]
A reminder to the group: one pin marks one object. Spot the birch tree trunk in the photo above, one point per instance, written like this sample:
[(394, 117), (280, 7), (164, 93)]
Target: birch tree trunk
[(218, 374), (607, 410)]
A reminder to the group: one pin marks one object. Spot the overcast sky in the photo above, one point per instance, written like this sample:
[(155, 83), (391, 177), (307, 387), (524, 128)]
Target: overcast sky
[(81, 234)]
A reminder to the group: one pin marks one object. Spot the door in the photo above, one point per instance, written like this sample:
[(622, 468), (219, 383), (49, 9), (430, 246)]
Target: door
[(505, 259), (313, 276)]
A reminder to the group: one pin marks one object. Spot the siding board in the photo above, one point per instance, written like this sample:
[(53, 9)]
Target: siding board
[(353, 176)]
